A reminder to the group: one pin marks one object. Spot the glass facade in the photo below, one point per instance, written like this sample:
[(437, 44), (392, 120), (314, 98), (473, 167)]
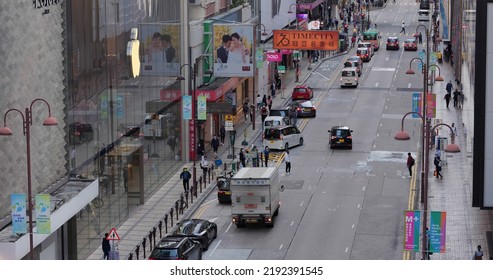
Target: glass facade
[(118, 128)]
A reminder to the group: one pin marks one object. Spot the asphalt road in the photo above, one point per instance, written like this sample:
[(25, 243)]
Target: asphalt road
[(341, 204)]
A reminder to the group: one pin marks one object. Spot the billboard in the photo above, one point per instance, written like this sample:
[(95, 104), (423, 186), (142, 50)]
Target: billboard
[(233, 50), (160, 54), (306, 40), (412, 222)]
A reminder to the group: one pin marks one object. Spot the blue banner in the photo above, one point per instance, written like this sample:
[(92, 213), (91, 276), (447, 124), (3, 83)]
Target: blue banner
[(416, 104), (19, 221), (187, 107)]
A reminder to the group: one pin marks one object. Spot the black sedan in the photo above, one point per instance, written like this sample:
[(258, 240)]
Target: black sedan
[(197, 229), (305, 109)]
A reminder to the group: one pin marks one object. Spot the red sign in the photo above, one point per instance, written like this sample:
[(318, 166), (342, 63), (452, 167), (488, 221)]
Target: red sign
[(306, 40), (212, 94), (274, 56), (286, 51), (112, 235)]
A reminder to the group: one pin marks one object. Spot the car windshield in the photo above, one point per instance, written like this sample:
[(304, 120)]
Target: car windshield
[(307, 104), (392, 40), (272, 123), (348, 73), (300, 89), (272, 134), (188, 228), (409, 41), (223, 185), (164, 253), (278, 112), (341, 132), (349, 63)]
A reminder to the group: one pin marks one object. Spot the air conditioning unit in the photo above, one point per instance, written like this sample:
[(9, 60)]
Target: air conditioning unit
[(195, 2)]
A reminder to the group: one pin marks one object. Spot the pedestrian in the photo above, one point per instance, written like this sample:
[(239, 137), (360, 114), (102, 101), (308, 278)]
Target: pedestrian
[(106, 247), (420, 38), (447, 99), (353, 41), (454, 129), (222, 134), (287, 160), (215, 143), (293, 115), (449, 87), (242, 158), (264, 112), (403, 28), (272, 89), (259, 101), (266, 155), (269, 103), (172, 144), (204, 164), (252, 108), (200, 150), (125, 178), (410, 164), (461, 99), (245, 110), (254, 154), (464, 130), (456, 98), (478, 255), (438, 167), (278, 82), (185, 176)]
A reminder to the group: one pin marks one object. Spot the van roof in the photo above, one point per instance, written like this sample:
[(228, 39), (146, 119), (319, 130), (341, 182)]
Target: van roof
[(349, 69), (277, 118)]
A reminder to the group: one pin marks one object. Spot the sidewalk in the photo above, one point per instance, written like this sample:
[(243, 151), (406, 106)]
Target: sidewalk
[(144, 218), (466, 226)]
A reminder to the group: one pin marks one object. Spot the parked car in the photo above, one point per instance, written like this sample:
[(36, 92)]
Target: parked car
[(355, 64), (349, 77), (364, 54), (410, 45), (80, 133), (282, 137), (197, 229), (302, 92), (176, 248), (340, 136), (305, 109), (392, 43)]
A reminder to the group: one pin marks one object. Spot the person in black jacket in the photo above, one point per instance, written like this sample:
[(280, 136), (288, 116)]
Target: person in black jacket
[(106, 247)]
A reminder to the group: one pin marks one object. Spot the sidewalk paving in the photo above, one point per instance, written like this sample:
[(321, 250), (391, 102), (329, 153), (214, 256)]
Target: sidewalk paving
[(143, 218)]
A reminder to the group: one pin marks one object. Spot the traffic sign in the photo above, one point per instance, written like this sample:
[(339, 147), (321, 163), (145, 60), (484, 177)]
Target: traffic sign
[(228, 118), (281, 69), (112, 235)]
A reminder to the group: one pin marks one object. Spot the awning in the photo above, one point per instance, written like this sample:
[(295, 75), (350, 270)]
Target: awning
[(213, 91)]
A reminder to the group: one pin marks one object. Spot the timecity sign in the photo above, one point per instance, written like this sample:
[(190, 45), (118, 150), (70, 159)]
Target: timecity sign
[(306, 40), (39, 4)]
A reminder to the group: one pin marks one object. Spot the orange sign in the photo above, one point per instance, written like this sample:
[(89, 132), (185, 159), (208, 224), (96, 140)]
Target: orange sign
[(306, 40)]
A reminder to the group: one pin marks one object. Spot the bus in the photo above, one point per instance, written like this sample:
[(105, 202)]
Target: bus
[(373, 36)]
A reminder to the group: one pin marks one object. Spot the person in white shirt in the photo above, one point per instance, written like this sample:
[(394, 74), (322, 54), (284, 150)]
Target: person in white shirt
[(204, 164), (287, 159)]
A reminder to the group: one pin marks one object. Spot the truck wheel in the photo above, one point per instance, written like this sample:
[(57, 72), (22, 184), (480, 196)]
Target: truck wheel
[(271, 225)]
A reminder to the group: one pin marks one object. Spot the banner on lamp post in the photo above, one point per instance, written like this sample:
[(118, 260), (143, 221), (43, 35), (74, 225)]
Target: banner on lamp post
[(259, 57), (19, 221), (43, 210), (437, 231), (202, 107), (412, 222), (186, 107)]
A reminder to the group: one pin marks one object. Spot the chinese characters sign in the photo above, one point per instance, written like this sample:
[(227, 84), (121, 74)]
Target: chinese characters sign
[(18, 202), (306, 40), (412, 221)]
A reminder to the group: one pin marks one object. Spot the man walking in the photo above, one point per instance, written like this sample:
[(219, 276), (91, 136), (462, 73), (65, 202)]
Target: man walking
[(254, 154), (266, 155), (456, 98), (438, 167), (449, 87), (185, 176), (410, 164), (287, 159), (447, 99), (215, 144), (420, 38), (403, 28), (246, 110), (222, 133), (264, 112), (106, 247)]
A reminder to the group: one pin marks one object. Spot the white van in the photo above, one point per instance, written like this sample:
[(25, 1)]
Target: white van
[(282, 137), (349, 77)]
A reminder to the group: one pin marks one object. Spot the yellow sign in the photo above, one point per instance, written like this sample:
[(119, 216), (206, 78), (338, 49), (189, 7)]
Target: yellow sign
[(306, 40), (228, 118)]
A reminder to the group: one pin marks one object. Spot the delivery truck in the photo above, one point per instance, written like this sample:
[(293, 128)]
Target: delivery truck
[(255, 196)]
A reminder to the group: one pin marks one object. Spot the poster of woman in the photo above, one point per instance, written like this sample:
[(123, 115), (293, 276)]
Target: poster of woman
[(233, 50), (160, 54)]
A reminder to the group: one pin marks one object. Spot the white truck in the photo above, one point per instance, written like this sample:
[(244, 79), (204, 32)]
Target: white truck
[(255, 196)]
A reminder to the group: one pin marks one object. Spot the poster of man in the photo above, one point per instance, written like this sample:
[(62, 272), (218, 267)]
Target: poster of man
[(233, 50), (160, 54)]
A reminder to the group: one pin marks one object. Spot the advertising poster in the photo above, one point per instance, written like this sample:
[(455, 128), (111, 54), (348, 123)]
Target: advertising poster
[(202, 107), (417, 105), (19, 221), (43, 210), (306, 40), (233, 50), (187, 107), (437, 231), (412, 222), (160, 54)]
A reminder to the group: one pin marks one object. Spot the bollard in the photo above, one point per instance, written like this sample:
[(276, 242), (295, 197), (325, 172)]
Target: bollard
[(195, 191), (225, 167), (261, 160), (200, 183), (144, 241), (160, 226), (176, 209), (209, 176), (137, 251), (150, 241), (154, 235), (212, 171), (181, 204), (130, 256), (233, 166), (166, 223), (171, 215), (191, 193), (186, 197)]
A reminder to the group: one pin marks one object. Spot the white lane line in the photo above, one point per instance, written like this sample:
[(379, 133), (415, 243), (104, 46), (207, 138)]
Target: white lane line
[(292, 223), (318, 170), (359, 206), (377, 84), (228, 227), (215, 247), (353, 226), (363, 189), (408, 85), (347, 249), (280, 247), (322, 76), (301, 204)]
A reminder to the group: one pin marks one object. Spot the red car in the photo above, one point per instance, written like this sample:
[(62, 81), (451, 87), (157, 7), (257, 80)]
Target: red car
[(302, 92), (410, 45), (392, 43)]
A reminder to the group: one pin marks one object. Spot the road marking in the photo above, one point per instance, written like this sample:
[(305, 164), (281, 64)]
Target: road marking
[(353, 226), (280, 247), (215, 247), (347, 249), (359, 206), (408, 85), (318, 169), (363, 189), (377, 84), (383, 69), (292, 223), (322, 76), (227, 229), (302, 203)]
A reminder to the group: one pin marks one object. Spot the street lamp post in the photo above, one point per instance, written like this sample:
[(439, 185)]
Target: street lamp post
[(297, 61), (27, 121)]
